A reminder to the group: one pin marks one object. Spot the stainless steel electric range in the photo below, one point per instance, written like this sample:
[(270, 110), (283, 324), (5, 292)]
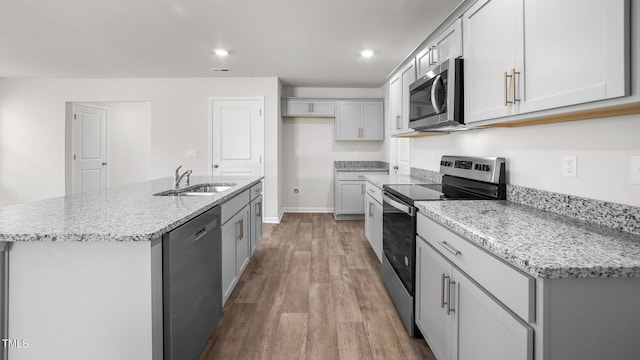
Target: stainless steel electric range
[(464, 178)]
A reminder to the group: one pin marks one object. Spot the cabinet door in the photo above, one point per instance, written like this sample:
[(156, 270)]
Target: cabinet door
[(372, 120), (395, 102), (243, 241), (256, 223), (369, 220), (485, 330), (408, 78), (431, 316), (492, 33), (574, 51), (448, 44), (348, 120), (307, 107), (377, 229), (229, 278), (350, 197)]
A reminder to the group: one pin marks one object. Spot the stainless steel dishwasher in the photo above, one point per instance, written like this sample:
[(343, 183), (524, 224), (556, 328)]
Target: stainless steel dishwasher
[(192, 285)]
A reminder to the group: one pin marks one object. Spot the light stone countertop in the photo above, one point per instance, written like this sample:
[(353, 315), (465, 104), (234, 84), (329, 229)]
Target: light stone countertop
[(380, 180), (365, 166), (541, 243), (122, 213)]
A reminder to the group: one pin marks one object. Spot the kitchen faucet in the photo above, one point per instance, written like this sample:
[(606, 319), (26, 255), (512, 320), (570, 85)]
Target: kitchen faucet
[(177, 177)]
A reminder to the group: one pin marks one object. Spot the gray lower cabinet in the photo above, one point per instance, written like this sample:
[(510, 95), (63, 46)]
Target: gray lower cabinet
[(459, 319), (256, 223), (349, 193), (235, 241), (373, 218)]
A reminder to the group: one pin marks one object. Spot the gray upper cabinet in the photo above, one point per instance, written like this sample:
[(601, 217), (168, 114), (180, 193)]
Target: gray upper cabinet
[(359, 120), (307, 107), (399, 99), (525, 56), (448, 45)]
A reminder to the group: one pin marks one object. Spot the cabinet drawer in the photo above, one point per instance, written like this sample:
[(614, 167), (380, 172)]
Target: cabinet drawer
[(374, 191), (256, 190), (510, 286), (356, 175), (231, 207)]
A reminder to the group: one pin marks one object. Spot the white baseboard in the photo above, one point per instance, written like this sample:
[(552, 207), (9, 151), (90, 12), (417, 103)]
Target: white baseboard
[(307, 210), (276, 220), (273, 219)]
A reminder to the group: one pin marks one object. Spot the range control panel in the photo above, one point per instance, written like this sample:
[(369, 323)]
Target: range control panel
[(478, 168)]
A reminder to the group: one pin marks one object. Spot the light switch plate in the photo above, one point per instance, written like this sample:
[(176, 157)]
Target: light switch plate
[(635, 170)]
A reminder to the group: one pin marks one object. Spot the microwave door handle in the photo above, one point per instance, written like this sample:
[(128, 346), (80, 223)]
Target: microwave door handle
[(434, 94), (402, 207)]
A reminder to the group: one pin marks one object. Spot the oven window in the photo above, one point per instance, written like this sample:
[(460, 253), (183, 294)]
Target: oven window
[(398, 243)]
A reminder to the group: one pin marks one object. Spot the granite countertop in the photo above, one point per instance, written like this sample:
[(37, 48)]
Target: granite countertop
[(380, 180), (123, 213), (541, 243), (361, 166)]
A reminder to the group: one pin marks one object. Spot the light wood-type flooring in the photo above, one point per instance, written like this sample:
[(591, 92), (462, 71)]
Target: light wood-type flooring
[(312, 290)]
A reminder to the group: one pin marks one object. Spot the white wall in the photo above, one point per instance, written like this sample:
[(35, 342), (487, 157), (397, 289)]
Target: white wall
[(312, 171), (534, 155), (32, 127), (128, 142)]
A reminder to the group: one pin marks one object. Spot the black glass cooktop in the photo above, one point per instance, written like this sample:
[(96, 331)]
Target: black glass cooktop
[(429, 192)]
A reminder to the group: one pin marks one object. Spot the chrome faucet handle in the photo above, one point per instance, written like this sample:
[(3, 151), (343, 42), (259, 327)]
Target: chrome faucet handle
[(177, 174), (188, 172)]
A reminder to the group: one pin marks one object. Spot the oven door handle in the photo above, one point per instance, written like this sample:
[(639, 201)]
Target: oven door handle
[(409, 210)]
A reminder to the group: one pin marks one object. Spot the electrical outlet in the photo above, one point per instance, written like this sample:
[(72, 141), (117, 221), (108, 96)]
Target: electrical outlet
[(635, 170), (570, 166)]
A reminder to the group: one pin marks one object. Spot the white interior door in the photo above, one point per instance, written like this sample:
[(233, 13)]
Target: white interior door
[(89, 149), (237, 138), (400, 152)]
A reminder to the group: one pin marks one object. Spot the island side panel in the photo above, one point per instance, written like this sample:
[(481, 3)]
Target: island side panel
[(81, 300)]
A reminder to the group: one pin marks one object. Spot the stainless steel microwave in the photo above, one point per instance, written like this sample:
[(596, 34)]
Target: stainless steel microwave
[(436, 99)]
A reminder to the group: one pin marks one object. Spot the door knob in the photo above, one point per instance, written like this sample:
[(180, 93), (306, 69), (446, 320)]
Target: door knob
[(215, 166), (104, 164)]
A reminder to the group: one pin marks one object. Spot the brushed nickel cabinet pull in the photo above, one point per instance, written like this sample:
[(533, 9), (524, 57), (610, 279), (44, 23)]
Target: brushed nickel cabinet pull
[(449, 248), (433, 55), (506, 91), (398, 122), (513, 81), (259, 209), (370, 211), (241, 229), (442, 303), (449, 309)]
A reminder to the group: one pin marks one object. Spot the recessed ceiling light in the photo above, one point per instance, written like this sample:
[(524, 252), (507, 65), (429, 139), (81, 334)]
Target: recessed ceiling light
[(221, 52), (366, 53)]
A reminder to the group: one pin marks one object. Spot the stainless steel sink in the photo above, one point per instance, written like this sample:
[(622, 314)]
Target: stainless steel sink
[(207, 189)]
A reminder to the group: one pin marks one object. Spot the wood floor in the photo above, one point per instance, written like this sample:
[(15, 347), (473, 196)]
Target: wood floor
[(312, 291)]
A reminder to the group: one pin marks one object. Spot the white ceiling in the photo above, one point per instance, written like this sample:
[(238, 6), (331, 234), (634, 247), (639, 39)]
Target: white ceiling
[(303, 42)]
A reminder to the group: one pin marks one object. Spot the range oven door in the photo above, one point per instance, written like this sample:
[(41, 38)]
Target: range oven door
[(399, 238)]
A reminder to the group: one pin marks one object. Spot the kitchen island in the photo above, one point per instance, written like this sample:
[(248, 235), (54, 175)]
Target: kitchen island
[(85, 271)]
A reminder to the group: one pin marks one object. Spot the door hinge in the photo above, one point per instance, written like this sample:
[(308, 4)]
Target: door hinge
[(74, 116), (260, 159), (74, 156), (260, 112)]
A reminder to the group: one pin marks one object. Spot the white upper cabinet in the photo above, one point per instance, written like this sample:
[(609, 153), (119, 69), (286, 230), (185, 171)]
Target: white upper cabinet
[(399, 99), (308, 107), (448, 45), (491, 35), (530, 55), (575, 52), (359, 120)]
